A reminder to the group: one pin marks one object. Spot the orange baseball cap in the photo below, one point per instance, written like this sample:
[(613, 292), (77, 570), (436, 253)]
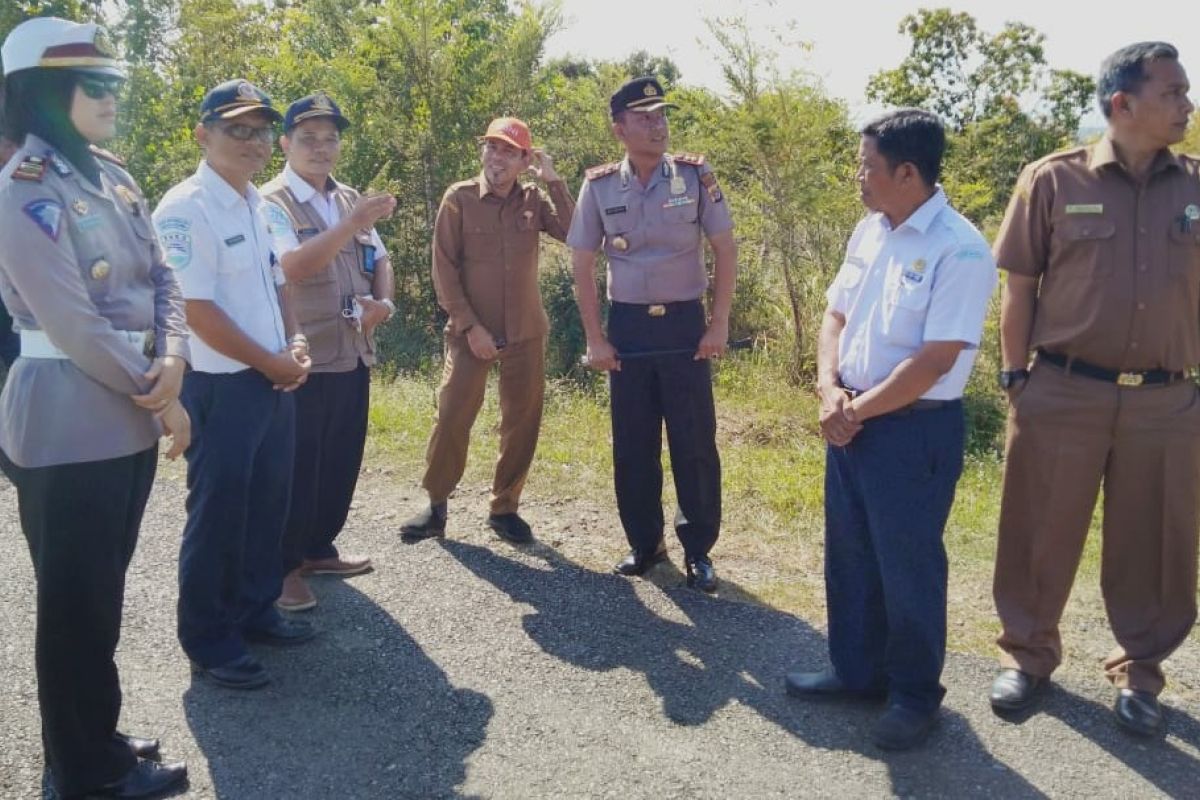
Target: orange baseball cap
[(512, 131)]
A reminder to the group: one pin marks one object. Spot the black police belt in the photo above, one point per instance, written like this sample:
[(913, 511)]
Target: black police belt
[(1144, 377), (659, 309), (921, 404)]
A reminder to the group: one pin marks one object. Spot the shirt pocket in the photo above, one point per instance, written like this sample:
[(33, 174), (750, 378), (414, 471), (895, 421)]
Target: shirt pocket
[(907, 307), (1082, 247), (481, 241), (237, 255), (1183, 250)]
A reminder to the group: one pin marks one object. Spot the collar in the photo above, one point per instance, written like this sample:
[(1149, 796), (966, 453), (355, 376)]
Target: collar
[(665, 171), (927, 212), (56, 161), (302, 190), (485, 189), (225, 195), (1103, 153)]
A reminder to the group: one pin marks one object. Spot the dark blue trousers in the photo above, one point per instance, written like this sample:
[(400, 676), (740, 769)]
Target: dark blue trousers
[(887, 496), (331, 431), (239, 482)]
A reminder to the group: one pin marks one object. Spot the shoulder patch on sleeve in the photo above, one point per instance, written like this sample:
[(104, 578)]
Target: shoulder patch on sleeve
[(31, 168), (175, 236), (277, 219), (709, 180), (602, 170), (695, 159), (47, 214), (100, 152)]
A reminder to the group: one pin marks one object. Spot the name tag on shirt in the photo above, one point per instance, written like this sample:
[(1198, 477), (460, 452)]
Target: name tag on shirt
[(615, 210), (1085, 208), (678, 201), (232, 240), (306, 232)]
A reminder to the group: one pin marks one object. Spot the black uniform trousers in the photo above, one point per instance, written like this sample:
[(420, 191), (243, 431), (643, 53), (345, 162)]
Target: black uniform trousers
[(645, 393), (81, 523), (331, 431)]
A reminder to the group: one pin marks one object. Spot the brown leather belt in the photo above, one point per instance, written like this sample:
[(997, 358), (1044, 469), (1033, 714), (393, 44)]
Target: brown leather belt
[(1132, 378)]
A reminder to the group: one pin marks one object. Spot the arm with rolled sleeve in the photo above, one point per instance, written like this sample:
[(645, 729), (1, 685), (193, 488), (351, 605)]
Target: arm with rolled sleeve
[(54, 291), (447, 265)]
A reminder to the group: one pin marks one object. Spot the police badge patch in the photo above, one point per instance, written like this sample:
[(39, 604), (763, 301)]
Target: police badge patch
[(47, 215)]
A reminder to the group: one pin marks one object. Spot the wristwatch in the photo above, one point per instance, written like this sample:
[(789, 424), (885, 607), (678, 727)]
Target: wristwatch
[(1009, 378)]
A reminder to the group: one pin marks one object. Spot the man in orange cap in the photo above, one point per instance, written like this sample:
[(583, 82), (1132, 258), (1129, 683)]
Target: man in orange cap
[(485, 272)]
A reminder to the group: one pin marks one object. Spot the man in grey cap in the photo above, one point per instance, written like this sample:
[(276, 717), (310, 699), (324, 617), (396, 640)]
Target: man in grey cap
[(651, 212), (342, 285), (247, 358)]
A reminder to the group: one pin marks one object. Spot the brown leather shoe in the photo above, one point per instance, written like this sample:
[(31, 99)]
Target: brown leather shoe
[(338, 565), (296, 596)]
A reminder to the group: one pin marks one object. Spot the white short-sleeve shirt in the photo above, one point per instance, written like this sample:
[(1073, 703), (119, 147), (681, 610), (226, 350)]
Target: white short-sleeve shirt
[(323, 203), (218, 242), (928, 280)]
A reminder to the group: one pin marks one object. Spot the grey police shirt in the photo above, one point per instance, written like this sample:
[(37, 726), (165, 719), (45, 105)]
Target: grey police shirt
[(651, 234), (81, 263)]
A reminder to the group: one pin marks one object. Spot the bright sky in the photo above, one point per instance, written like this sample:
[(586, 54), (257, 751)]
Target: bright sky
[(852, 40)]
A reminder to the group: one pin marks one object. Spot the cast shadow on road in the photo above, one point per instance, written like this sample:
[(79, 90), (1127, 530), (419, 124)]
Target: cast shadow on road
[(361, 712), (730, 653)]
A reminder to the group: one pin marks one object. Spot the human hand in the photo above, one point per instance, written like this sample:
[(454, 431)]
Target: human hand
[(288, 368), (481, 342), (712, 344), (369, 209), (374, 313), (178, 426), (166, 381), (601, 355), (541, 166), (839, 424)]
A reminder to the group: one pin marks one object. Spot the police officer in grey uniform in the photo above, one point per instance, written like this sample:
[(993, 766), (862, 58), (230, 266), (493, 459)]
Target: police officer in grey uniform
[(651, 212), (83, 408)]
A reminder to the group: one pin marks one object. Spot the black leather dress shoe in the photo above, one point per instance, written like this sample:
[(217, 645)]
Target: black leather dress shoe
[(428, 524), (510, 527), (701, 575), (282, 633), (142, 748), (826, 683), (902, 728), (1138, 712), (145, 779), (639, 562), (244, 672), (1014, 690)]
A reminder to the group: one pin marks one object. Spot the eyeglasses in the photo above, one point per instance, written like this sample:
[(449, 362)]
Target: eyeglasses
[(244, 133), (97, 87)]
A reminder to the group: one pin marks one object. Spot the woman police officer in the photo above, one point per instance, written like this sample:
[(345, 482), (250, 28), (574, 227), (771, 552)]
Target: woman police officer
[(83, 276)]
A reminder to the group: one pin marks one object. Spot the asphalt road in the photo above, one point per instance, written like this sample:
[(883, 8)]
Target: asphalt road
[(470, 668)]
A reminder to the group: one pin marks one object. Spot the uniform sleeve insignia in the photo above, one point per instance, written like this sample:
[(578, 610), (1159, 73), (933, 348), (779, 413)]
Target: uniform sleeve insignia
[(710, 183), (602, 170), (278, 222), (695, 159), (174, 233), (47, 214), (59, 164), (32, 168), (100, 152)]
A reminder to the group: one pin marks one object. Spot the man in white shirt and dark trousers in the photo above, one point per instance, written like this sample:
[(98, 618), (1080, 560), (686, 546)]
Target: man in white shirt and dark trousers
[(246, 361), (897, 344)]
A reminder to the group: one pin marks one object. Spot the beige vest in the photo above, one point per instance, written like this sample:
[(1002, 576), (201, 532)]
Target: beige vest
[(333, 342)]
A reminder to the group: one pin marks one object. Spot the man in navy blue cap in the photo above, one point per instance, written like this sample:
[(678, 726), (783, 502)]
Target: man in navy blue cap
[(342, 285), (247, 358)]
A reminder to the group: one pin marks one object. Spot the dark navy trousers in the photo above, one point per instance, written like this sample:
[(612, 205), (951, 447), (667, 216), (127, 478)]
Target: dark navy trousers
[(239, 484), (887, 497), (331, 431), (645, 393)]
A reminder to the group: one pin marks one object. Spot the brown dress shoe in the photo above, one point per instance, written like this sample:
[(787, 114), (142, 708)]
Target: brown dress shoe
[(338, 565), (296, 596)]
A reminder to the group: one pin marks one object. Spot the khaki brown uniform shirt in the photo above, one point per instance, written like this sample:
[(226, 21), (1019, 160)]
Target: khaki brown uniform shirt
[(485, 255), (1119, 261), (82, 264)]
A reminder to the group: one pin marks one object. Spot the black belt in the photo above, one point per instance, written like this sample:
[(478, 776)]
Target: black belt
[(1137, 377), (659, 309), (922, 404)]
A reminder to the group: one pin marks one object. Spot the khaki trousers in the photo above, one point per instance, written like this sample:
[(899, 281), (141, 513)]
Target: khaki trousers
[(1067, 436), (464, 378)]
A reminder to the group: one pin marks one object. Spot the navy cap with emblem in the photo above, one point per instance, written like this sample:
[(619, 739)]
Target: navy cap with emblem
[(313, 107), (640, 94), (234, 98)]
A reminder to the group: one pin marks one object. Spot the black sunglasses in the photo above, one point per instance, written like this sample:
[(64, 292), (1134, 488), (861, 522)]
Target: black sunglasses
[(98, 86)]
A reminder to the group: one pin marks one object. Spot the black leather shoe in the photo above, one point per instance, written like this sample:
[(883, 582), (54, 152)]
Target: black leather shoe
[(826, 683), (428, 524), (701, 575), (639, 562), (902, 728), (145, 779), (1138, 712), (282, 632), (510, 527), (244, 672), (142, 748), (1014, 690)]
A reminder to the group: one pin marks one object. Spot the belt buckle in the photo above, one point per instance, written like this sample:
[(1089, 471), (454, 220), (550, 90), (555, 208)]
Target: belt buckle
[(657, 310), (1130, 379)]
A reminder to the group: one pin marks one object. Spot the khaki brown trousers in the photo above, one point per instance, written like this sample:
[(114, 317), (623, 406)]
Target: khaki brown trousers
[(1067, 436), (522, 389)]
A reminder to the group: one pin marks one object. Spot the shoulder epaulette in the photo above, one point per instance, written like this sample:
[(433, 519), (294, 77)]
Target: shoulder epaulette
[(100, 152), (31, 168), (602, 170), (695, 159)]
